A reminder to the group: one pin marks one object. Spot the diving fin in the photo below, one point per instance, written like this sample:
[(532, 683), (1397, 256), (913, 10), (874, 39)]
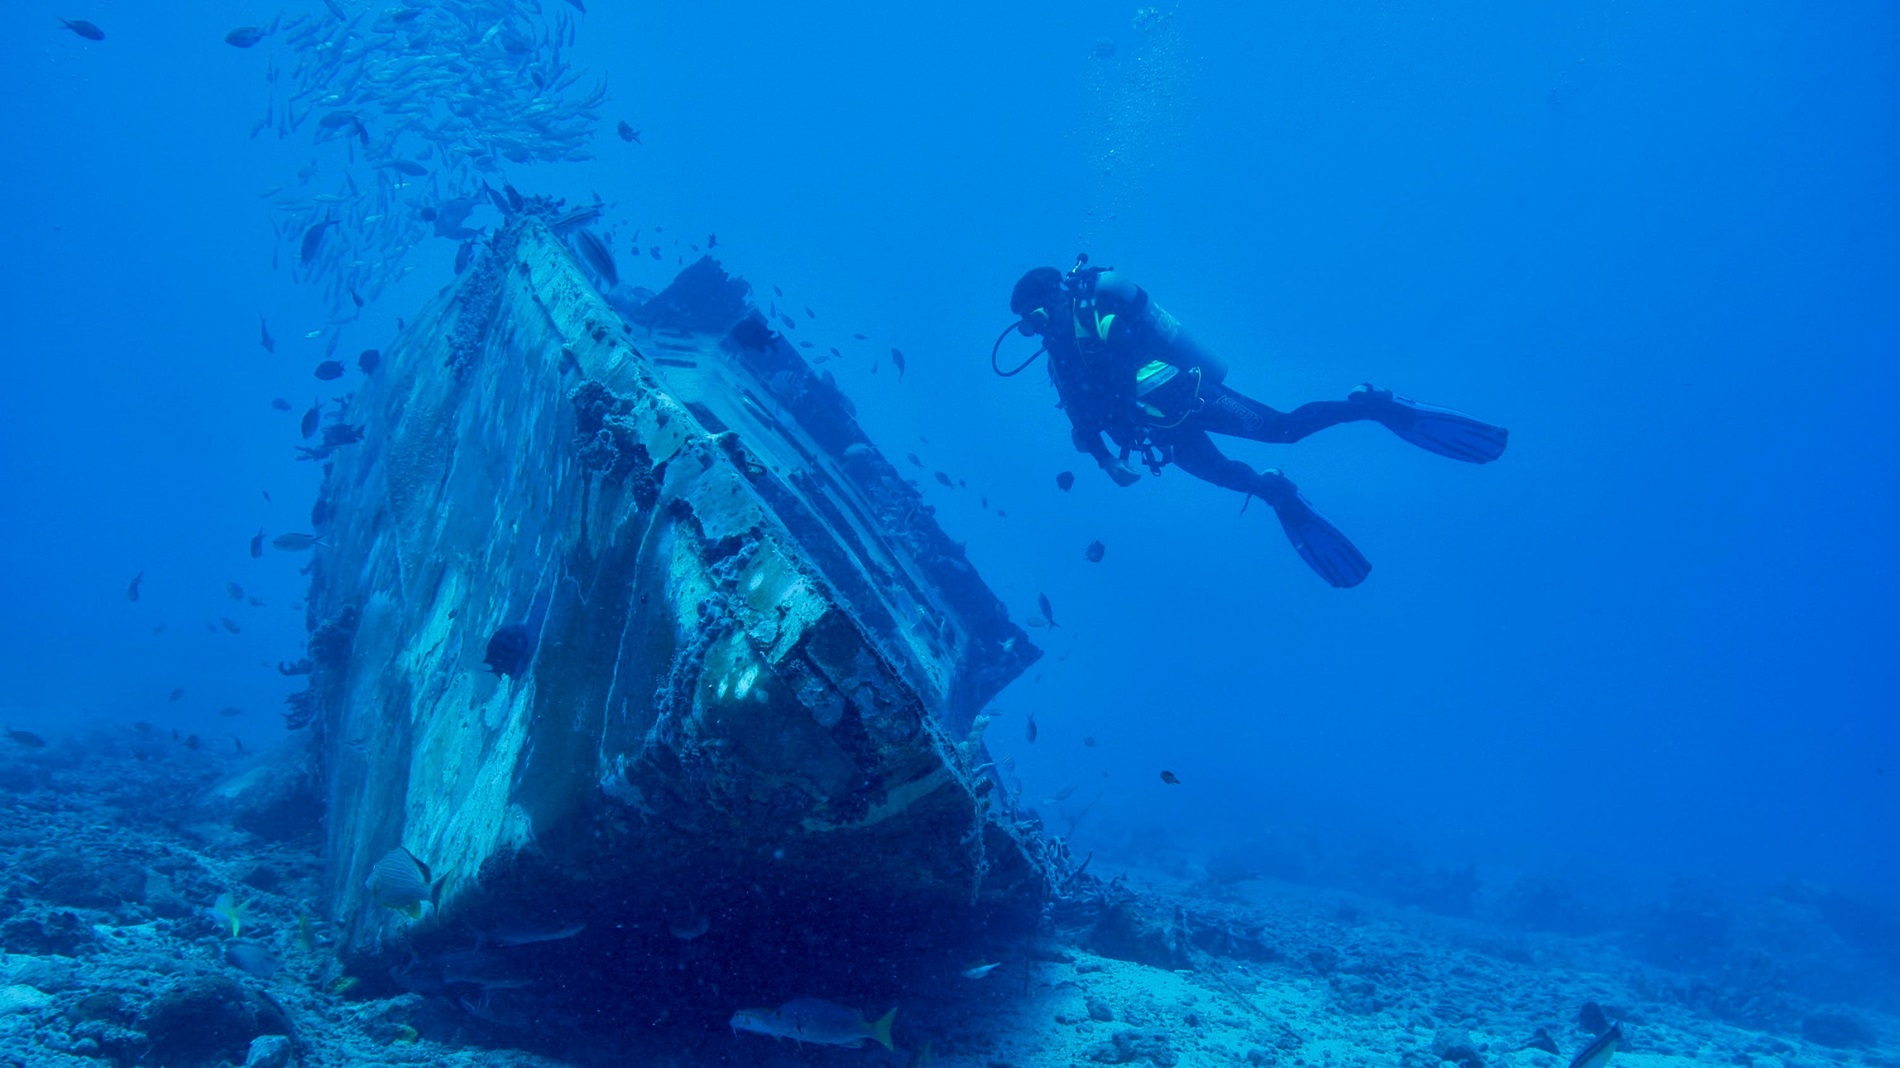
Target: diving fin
[(1320, 544), (1434, 429)]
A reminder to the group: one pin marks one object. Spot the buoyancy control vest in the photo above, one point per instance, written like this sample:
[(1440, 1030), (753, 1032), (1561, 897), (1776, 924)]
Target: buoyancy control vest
[(1121, 333)]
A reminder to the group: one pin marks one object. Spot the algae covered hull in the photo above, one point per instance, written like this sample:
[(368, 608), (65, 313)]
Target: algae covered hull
[(742, 659)]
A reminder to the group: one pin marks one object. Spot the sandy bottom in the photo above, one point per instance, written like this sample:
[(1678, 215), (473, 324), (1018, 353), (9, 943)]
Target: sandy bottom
[(108, 956)]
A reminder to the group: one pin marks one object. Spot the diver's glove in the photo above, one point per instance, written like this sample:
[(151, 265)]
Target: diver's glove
[(1091, 442), (1123, 474)]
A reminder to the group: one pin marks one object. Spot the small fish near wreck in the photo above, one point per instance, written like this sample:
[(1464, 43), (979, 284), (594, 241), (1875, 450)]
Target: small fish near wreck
[(26, 738), (511, 648), (821, 1023), (1598, 1053), (246, 36), (84, 29), (401, 883), (252, 959), (598, 257)]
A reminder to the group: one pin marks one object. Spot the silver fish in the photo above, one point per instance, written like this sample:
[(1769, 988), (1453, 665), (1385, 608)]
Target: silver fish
[(1598, 1053), (821, 1023), (252, 958), (598, 256)]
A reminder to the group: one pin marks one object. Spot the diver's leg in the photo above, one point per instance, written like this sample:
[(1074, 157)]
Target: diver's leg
[(1319, 543), (1236, 414), (1434, 429)]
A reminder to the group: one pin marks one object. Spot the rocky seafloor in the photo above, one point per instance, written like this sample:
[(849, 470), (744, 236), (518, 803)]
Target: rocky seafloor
[(144, 923)]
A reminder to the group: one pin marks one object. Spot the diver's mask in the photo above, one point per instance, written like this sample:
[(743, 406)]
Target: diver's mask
[(1033, 322)]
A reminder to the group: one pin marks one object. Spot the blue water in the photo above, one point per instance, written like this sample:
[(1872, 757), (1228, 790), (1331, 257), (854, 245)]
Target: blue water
[(1655, 642)]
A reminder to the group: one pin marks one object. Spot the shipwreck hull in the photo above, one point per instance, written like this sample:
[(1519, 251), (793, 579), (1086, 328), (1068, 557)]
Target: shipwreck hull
[(746, 659)]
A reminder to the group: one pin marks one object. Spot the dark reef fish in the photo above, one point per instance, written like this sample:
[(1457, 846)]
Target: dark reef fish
[(329, 370), (257, 543), (511, 648), (1065, 480), (294, 543), (246, 36), (628, 133), (1094, 552), (369, 361), (263, 328), (897, 361), (1048, 614), (313, 240), (1029, 729), (311, 418), (26, 738), (230, 624), (84, 29), (1170, 778), (279, 404), (132, 588)]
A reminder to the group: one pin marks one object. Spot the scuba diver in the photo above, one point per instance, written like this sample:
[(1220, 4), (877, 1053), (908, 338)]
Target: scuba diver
[(1124, 367)]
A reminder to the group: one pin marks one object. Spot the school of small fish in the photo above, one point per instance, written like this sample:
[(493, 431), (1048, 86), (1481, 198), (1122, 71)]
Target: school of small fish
[(413, 110)]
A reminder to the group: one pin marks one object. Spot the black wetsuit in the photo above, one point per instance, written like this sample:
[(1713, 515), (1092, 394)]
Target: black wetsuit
[(1097, 359)]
